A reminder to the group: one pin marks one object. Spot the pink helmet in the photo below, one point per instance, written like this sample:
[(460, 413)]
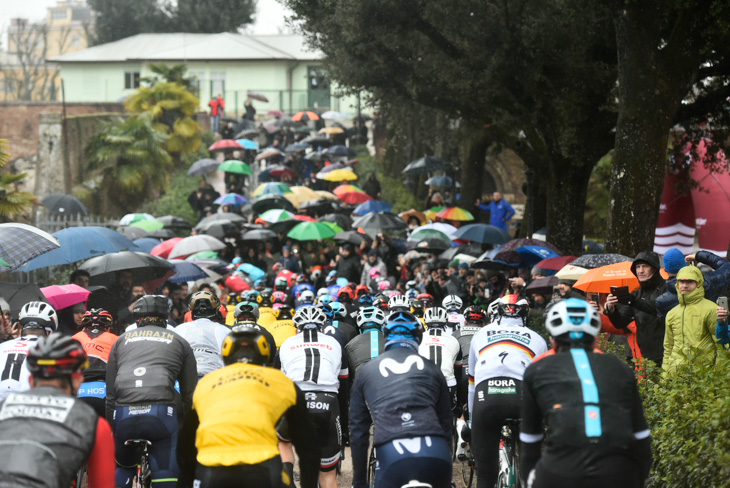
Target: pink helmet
[(278, 297), (374, 273), (384, 285)]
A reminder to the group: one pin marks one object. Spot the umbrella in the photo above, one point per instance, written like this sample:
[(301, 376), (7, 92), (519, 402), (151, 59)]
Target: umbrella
[(433, 245), (266, 188), (351, 194), (203, 255), (258, 235), (297, 147), (222, 216), (235, 166), (252, 271), (311, 231), (305, 116), (172, 222), (543, 285), (300, 195), (571, 272), (148, 225), (231, 199), (600, 280), (133, 233), (146, 244), (326, 194), (280, 170), (339, 175), (316, 141), (276, 215), (275, 113), (531, 255), (237, 284), (442, 181), (213, 263), (254, 95), (162, 234), (77, 243), (219, 229), (482, 233), (455, 213), (332, 115), (372, 206), (379, 221), (591, 261), (426, 164), (164, 248), (508, 256), (246, 134), (431, 212), (493, 264), (331, 130), (195, 244), (203, 167), (474, 250), (131, 218), (408, 214), (248, 144), (225, 144), (353, 237), (272, 126), (342, 220), (447, 229), (65, 204), (18, 294), (556, 263), (267, 202), (305, 218), (339, 151), (144, 267), (186, 271), (334, 227), (62, 296), (421, 234), (331, 167), (515, 243), (268, 153), (20, 243)]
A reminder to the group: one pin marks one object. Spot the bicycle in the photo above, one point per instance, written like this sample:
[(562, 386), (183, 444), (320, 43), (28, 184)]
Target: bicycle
[(372, 461), (508, 457), (465, 457), (143, 477)]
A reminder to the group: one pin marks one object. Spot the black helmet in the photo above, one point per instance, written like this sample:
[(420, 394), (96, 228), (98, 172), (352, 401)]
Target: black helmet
[(233, 299), (264, 298), (56, 355), (151, 309), (204, 304), (246, 345)]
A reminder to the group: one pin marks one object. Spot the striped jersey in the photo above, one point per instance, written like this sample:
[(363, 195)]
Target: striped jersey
[(313, 360), (442, 349), (15, 375)]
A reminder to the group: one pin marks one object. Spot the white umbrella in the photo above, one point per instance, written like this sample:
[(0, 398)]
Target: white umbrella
[(447, 229), (135, 217), (195, 244), (570, 272), (332, 115)]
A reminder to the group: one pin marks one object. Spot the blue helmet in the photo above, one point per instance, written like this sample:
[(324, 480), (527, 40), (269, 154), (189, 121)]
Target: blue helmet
[(403, 325), (366, 300), (338, 309)]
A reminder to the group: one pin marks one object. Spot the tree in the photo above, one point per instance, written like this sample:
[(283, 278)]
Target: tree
[(12, 201), (214, 15)]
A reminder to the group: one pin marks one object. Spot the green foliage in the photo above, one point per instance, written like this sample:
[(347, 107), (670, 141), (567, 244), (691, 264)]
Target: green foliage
[(175, 199), (12, 201), (689, 416), (596, 212), (170, 74), (394, 191)]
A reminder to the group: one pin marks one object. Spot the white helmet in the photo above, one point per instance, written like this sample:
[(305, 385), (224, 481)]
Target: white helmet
[(399, 301), (322, 291), (435, 317), (412, 293), (36, 315), (493, 311), (307, 297), (513, 306), (309, 318), (573, 315), (370, 317), (452, 303)]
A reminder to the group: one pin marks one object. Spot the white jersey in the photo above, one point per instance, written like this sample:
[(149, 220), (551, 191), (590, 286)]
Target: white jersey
[(454, 321), (502, 350), (206, 338), (443, 350), (313, 360), (14, 374)]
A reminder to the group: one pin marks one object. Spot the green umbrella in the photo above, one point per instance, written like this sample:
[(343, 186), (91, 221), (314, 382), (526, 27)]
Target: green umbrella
[(276, 215), (203, 255), (334, 227), (4, 263), (311, 231), (235, 166), (148, 225), (422, 234)]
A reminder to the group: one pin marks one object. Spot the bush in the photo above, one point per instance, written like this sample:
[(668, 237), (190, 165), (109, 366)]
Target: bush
[(393, 189), (175, 200)]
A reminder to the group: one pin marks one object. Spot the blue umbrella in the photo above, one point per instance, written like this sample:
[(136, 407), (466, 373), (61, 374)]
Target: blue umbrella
[(186, 271), (248, 144), (341, 151), (532, 255), (372, 206), (297, 147), (79, 243), (145, 244), (231, 199), (482, 233), (252, 271)]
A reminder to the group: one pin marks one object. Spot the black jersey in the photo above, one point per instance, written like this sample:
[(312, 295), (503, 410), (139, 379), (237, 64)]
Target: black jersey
[(363, 348)]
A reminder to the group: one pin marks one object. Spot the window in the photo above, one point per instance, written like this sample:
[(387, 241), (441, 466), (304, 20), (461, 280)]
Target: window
[(196, 81), (217, 83), (75, 40), (131, 80), (59, 14)]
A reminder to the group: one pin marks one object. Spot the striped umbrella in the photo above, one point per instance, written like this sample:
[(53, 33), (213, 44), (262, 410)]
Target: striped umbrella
[(231, 199), (455, 213), (267, 188), (351, 194)]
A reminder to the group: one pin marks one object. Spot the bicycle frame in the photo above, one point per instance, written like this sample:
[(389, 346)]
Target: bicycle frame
[(143, 477)]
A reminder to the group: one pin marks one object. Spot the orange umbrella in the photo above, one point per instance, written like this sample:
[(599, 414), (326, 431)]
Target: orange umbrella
[(304, 116), (600, 280)]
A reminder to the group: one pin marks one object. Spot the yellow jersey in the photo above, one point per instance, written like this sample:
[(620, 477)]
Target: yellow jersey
[(267, 316), (231, 317), (281, 330), (239, 407)]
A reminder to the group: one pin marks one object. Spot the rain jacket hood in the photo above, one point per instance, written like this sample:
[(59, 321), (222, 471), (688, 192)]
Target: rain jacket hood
[(648, 257), (691, 273)]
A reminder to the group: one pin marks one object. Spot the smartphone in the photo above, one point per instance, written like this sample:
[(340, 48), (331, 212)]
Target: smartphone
[(556, 291), (592, 297), (722, 302), (619, 291)]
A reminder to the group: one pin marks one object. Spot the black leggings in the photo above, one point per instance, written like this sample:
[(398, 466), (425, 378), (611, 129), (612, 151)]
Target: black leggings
[(491, 410), (262, 475), (625, 474)]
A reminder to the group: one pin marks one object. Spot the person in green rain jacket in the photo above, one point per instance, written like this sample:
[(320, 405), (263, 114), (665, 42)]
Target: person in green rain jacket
[(691, 324)]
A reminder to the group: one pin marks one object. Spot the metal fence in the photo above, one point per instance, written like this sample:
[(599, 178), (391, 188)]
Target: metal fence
[(54, 222)]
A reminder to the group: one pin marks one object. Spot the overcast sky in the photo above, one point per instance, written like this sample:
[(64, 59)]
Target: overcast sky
[(270, 17)]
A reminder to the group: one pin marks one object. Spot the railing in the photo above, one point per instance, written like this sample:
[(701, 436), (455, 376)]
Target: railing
[(54, 222)]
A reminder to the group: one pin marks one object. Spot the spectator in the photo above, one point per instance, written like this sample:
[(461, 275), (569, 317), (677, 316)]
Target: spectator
[(434, 199), (373, 262), (372, 187), (691, 324), (500, 211), (249, 117), (641, 306), (217, 107), (288, 261), (348, 265), (227, 132), (80, 277)]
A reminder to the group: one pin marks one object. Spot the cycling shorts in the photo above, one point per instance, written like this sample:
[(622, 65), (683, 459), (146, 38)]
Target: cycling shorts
[(268, 474), (324, 411), (424, 459), (618, 470)]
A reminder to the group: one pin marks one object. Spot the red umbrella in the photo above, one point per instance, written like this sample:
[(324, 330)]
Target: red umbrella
[(62, 296), (275, 113), (305, 218), (280, 170), (555, 263), (163, 249), (304, 116), (225, 144), (237, 284), (351, 194)]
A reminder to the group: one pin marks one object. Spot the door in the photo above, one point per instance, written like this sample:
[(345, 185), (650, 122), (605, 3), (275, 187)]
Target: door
[(318, 88)]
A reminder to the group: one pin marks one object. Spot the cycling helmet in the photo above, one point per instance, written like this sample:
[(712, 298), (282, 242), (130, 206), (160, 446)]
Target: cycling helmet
[(325, 299), (411, 285), (571, 320), (435, 317), (246, 345), (152, 309), (250, 296), (381, 302), (204, 304), (233, 299), (426, 299), (56, 355), (278, 297), (259, 285), (403, 325), (264, 298), (412, 294), (345, 294), (513, 306), (307, 297), (452, 303), (322, 291), (370, 318), (310, 318), (38, 315), (384, 285), (361, 290), (375, 273), (246, 311), (493, 311), (475, 315), (316, 273), (284, 313), (97, 317), (300, 279), (280, 284), (331, 278), (366, 300), (418, 309), (338, 309), (399, 303)]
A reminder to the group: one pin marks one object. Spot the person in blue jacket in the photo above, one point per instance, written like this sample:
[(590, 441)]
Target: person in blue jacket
[(500, 211)]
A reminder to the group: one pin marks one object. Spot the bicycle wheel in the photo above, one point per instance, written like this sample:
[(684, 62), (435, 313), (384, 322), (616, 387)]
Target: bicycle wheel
[(467, 470), (372, 463)]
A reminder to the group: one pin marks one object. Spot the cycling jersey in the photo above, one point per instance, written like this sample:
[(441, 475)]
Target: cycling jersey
[(314, 361), (98, 344), (206, 338), (464, 336), (454, 321), (281, 330), (443, 350), (347, 328), (15, 374), (368, 345), (267, 315)]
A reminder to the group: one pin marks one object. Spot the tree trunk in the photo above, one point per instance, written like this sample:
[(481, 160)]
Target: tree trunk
[(472, 170), (566, 199)]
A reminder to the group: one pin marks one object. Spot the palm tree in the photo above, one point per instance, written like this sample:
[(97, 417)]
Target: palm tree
[(131, 162), (12, 201)]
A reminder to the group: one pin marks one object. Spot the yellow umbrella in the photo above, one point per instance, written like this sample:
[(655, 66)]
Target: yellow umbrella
[(326, 194), (300, 194), (332, 130), (341, 175)]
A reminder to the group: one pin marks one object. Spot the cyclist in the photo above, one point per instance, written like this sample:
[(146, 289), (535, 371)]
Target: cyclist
[(315, 362), (266, 310), (141, 399), (426, 299), (97, 341), (498, 356), (474, 319), (339, 320), (37, 319), (346, 296), (399, 303), (591, 406), (369, 344), (455, 319), (306, 299), (237, 409), (46, 435), (406, 398), (440, 347), (283, 328), (205, 333), (232, 300), (247, 314)]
